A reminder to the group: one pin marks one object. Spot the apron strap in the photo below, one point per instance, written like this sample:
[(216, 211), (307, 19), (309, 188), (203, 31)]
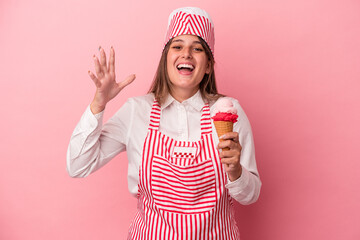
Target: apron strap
[(155, 116), (206, 127)]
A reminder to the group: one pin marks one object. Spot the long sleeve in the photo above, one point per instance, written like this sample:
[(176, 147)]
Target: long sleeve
[(92, 145), (246, 189)]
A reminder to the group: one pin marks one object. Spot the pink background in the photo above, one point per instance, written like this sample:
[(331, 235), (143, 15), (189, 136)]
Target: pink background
[(293, 65)]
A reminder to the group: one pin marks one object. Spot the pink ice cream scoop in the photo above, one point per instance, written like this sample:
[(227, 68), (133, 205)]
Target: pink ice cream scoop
[(224, 115), (224, 110)]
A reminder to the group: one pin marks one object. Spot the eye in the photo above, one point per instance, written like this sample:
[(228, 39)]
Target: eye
[(176, 47), (198, 49)]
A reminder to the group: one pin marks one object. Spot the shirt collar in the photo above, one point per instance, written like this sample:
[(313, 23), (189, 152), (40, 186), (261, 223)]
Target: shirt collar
[(196, 101)]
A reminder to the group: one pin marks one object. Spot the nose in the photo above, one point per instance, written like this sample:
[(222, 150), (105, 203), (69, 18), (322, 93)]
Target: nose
[(187, 53)]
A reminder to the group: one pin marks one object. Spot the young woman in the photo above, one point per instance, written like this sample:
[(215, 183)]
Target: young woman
[(184, 183)]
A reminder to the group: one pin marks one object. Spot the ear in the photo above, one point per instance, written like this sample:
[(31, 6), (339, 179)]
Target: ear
[(208, 68)]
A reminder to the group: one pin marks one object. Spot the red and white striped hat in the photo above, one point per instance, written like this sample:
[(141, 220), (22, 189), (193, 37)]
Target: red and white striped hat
[(191, 20)]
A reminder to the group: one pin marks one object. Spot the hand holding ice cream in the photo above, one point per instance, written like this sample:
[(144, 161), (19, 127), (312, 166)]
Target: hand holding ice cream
[(224, 115)]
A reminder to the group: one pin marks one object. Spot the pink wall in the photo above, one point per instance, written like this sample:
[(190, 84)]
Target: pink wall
[(295, 68)]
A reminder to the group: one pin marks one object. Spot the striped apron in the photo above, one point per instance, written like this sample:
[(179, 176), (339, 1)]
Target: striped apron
[(182, 192)]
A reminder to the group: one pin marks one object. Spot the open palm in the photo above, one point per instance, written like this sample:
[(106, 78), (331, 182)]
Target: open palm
[(105, 81)]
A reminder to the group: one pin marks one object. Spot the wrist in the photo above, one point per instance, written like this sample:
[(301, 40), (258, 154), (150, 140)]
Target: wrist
[(233, 176), (96, 108)]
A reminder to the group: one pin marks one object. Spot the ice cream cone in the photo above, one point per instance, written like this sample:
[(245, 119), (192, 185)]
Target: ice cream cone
[(223, 127)]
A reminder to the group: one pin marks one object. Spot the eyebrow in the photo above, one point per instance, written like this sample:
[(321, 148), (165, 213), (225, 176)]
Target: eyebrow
[(180, 40)]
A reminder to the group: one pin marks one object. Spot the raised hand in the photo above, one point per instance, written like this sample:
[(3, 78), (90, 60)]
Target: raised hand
[(105, 81)]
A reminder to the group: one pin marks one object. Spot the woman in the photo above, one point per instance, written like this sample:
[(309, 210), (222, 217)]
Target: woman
[(178, 197)]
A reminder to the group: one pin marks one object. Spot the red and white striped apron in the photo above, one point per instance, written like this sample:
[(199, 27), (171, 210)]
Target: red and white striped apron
[(182, 192)]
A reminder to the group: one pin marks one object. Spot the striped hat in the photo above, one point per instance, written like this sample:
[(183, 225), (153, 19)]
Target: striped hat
[(191, 20)]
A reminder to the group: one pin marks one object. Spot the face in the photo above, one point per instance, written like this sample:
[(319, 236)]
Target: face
[(187, 64)]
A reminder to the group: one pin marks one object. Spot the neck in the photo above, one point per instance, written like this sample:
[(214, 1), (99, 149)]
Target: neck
[(181, 95)]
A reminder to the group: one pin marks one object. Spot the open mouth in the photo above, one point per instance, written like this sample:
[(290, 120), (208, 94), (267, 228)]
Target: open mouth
[(185, 67)]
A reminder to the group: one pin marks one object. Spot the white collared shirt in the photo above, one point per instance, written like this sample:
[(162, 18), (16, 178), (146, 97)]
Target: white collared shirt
[(93, 144)]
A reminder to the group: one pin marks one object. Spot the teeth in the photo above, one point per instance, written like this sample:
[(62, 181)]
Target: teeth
[(185, 66)]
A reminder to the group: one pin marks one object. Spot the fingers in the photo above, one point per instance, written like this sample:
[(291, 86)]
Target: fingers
[(233, 172), (230, 164), (229, 140), (234, 136), (229, 144), (231, 161), (112, 60), (100, 65), (98, 70), (107, 72), (94, 78), (127, 81), (232, 154), (103, 59), (231, 158)]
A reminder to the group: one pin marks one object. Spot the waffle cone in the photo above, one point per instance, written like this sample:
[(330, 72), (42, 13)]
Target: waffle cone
[(223, 127)]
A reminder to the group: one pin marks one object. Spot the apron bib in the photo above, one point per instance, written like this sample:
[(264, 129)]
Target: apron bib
[(182, 192)]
